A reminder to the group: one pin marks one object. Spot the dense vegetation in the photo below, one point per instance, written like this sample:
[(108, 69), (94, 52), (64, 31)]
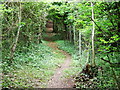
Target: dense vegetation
[(88, 31)]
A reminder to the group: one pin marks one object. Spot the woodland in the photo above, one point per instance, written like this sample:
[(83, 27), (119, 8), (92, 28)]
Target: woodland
[(45, 44)]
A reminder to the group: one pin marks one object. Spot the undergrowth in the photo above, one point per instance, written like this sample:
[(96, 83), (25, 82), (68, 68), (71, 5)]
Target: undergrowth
[(31, 69), (76, 65), (108, 73), (105, 77)]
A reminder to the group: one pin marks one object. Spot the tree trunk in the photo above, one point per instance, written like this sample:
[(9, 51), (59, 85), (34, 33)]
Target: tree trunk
[(70, 34), (39, 36), (74, 34), (80, 49), (93, 30), (1, 17), (67, 32), (18, 32)]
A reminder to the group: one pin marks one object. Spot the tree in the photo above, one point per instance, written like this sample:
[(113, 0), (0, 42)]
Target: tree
[(18, 32), (93, 30)]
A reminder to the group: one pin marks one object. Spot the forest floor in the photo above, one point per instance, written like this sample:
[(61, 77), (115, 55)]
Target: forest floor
[(57, 80)]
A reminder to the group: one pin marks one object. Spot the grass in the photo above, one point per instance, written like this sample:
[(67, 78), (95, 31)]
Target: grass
[(77, 63), (105, 80), (75, 66), (66, 46), (34, 68)]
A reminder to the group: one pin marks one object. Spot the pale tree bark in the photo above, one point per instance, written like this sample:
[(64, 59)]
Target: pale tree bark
[(79, 38), (1, 17), (70, 34), (93, 34), (39, 35), (39, 32), (74, 33), (80, 49), (67, 32), (18, 33)]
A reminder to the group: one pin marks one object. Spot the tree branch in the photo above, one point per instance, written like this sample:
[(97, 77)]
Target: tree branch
[(112, 64), (106, 61), (98, 26)]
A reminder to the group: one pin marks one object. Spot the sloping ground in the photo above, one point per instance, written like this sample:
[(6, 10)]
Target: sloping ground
[(33, 68), (57, 81)]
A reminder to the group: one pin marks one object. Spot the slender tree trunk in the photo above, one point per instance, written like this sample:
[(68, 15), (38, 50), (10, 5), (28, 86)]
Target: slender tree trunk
[(18, 32), (93, 30), (70, 34), (74, 34), (67, 32), (1, 17), (39, 34), (80, 49)]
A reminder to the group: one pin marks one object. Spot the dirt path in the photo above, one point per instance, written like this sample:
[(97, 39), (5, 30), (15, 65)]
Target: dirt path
[(57, 81)]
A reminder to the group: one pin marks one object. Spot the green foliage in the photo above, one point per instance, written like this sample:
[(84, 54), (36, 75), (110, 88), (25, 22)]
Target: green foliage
[(65, 15), (106, 34), (52, 36), (64, 45), (110, 39), (107, 77), (32, 23), (32, 68), (78, 62)]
